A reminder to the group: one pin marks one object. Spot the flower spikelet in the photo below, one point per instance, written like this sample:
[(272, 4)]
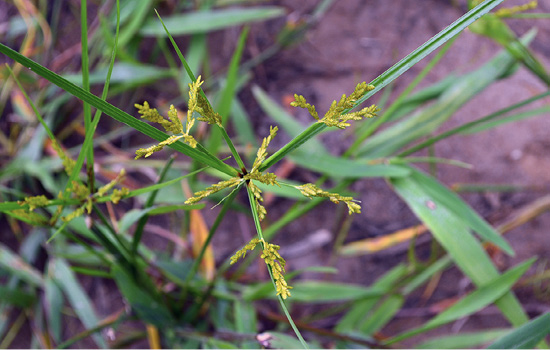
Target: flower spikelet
[(29, 216), (255, 174), (117, 194), (106, 188), (262, 151), (172, 124), (267, 178), (176, 122), (242, 253), (78, 212), (152, 115), (310, 191), (146, 152), (507, 12), (80, 191), (208, 115), (274, 260), (336, 115), (197, 196), (258, 198), (300, 101), (34, 202), (68, 163), (197, 103)]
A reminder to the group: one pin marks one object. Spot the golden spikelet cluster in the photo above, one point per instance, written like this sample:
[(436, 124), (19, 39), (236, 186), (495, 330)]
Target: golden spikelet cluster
[(68, 163), (273, 259), (172, 124), (197, 104), (336, 115), (34, 202), (242, 252), (82, 193), (253, 175), (197, 196), (310, 191), (507, 12)]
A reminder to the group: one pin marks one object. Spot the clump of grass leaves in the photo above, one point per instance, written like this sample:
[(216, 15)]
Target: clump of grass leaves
[(447, 217)]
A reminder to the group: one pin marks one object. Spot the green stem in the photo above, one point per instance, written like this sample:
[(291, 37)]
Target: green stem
[(232, 148), (467, 126), (124, 251), (252, 200), (86, 86), (392, 73), (296, 142), (371, 127)]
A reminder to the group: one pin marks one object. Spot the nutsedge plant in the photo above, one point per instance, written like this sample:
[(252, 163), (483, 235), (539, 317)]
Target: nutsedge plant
[(126, 260), (200, 109)]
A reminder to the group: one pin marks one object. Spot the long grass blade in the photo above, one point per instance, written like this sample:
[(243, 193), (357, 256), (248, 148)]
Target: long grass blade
[(426, 121), (228, 94), (235, 60), (116, 113), (77, 297), (454, 235), (473, 302), (526, 336), (206, 21), (392, 73)]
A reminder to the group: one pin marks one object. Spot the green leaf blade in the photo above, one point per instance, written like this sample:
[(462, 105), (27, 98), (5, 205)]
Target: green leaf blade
[(207, 21)]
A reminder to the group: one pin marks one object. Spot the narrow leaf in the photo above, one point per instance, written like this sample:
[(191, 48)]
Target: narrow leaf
[(463, 340), (18, 267), (474, 301), (526, 336), (77, 297), (117, 114), (146, 306), (207, 21)]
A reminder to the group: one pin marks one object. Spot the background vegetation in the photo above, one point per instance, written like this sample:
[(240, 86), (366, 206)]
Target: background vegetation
[(92, 264)]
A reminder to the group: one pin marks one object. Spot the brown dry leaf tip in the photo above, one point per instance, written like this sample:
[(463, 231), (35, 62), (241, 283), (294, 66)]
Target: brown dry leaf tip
[(310, 191), (335, 116)]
